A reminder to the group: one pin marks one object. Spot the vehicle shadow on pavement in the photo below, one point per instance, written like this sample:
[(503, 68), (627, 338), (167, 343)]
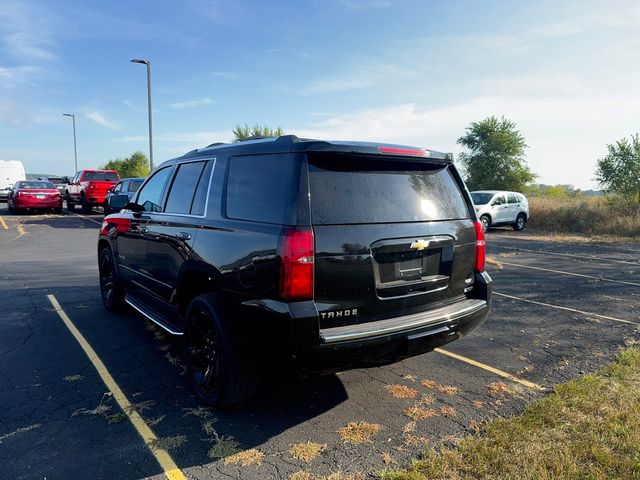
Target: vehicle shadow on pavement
[(55, 221), (147, 365)]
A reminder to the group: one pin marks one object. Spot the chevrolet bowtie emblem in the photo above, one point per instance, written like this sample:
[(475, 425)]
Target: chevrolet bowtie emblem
[(419, 245)]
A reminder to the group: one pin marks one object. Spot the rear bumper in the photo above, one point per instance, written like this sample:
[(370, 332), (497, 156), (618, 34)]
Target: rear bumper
[(291, 331), (96, 198), (37, 203)]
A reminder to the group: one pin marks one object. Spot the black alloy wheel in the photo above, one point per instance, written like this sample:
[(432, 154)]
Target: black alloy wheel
[(204, 356), (111, 290)]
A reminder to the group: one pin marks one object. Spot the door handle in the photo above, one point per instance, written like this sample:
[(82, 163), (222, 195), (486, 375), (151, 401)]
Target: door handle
[(144, 230), (184, 236)]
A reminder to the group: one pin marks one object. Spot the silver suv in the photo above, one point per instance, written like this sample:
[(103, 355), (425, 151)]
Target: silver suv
[(495, 208)]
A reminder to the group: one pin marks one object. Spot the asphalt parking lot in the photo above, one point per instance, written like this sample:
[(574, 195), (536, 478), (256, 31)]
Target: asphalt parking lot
[(560, 310)]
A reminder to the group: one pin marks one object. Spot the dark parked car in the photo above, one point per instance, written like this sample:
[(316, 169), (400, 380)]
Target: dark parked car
[(126, 186), (329, 255)]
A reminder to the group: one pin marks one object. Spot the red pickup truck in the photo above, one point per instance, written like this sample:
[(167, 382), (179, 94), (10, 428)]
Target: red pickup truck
[(89, 188)]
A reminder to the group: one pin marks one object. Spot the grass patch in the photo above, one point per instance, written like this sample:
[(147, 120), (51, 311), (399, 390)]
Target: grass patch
[(223, 447), (168, 443), (246, 458), (401, 391), (307, 451), (588, 428), (417, 413), (599, 217), (73, 378), (358, 432), (117, 418)]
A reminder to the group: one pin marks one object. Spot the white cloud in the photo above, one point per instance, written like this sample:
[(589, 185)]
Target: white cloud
[(565, 135), (100, 119), (364, 76), (191, 103), (26, 31)]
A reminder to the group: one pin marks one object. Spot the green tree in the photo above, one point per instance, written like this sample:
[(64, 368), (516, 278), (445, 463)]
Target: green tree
[(135, 165), (619, 171), (245, 132), (495, 156)]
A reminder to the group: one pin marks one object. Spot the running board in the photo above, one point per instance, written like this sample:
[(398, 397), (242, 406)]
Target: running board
[(136, 305)]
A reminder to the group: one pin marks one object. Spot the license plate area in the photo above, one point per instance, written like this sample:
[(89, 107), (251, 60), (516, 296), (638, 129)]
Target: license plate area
[(409, 266)]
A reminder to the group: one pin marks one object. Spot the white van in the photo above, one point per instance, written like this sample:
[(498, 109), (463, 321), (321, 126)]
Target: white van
[(11, 171)]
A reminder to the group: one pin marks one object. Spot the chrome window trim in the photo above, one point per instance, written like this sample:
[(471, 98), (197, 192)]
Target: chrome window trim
[(206, 204)]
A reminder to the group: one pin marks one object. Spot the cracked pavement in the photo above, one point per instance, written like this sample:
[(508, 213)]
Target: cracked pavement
[(50, 426)]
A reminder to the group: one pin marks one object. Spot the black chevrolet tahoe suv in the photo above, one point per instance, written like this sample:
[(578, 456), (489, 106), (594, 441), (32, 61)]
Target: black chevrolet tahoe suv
[(327, 255)]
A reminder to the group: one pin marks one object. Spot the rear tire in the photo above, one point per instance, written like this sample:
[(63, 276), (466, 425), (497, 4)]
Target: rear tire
[(58, 210), (521, 221), (486, 222), (218, 375), (111, 288), (86, 206)]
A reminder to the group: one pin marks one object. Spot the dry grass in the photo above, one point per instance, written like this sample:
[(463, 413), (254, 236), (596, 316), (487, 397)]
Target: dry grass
[(359, 432), (139, 407), (590, 216), (387, 459), (417, 413), (223, 447), (307, 451), (245, 458), (587, 429), (304, 475), (448, 412), (73, 378), (498, 388), (447, 390), (168, 443), (429, 383), (19, 430), (401, 391)]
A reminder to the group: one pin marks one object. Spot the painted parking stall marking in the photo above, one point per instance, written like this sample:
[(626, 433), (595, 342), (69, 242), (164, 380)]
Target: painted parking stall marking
[(491, 369), (582, 312), (570, 255), (602, 279), (168, 465), (3, 224)]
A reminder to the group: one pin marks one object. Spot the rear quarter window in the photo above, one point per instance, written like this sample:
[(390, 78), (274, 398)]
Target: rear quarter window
[(352, 189), (258, 188)]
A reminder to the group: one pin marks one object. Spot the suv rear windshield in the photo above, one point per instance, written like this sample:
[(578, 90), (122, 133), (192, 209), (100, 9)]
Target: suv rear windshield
[(355, 189), (100, 176)]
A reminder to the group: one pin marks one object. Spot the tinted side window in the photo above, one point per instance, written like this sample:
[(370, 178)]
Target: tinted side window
[(513, 198), (499, 199), (134, 185), (118, 187), (150, 196), (200, 198), (183, 187), (257, 187)]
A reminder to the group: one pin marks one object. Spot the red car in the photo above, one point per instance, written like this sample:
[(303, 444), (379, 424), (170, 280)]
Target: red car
[(34, 195), (89, 188)]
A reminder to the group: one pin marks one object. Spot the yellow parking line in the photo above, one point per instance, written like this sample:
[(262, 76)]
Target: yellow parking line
[(602, 279), (171, 470), (3, 223), (488, 368), (21, 230), (589, 314)]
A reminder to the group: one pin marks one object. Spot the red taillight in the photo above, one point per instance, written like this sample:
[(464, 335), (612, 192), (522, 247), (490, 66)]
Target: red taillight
[(122, 225), (481, 248), (296, 269), (414, 152)]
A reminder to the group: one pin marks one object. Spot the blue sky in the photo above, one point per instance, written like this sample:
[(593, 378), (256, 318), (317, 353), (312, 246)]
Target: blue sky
[(401, 71)]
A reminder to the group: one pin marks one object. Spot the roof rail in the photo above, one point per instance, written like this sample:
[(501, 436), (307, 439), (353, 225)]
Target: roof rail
[(214, 144)]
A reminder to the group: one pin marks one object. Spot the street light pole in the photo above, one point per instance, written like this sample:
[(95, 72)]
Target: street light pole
[(148, 64), (75, 145)]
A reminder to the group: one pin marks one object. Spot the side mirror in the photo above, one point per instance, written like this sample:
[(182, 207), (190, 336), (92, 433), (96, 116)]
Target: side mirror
[(118, 202)]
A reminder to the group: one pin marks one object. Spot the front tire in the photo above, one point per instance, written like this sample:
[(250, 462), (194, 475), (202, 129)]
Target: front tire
[(521, 221), (219, 377), (486, 222), (70, 205), (111, 288)]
